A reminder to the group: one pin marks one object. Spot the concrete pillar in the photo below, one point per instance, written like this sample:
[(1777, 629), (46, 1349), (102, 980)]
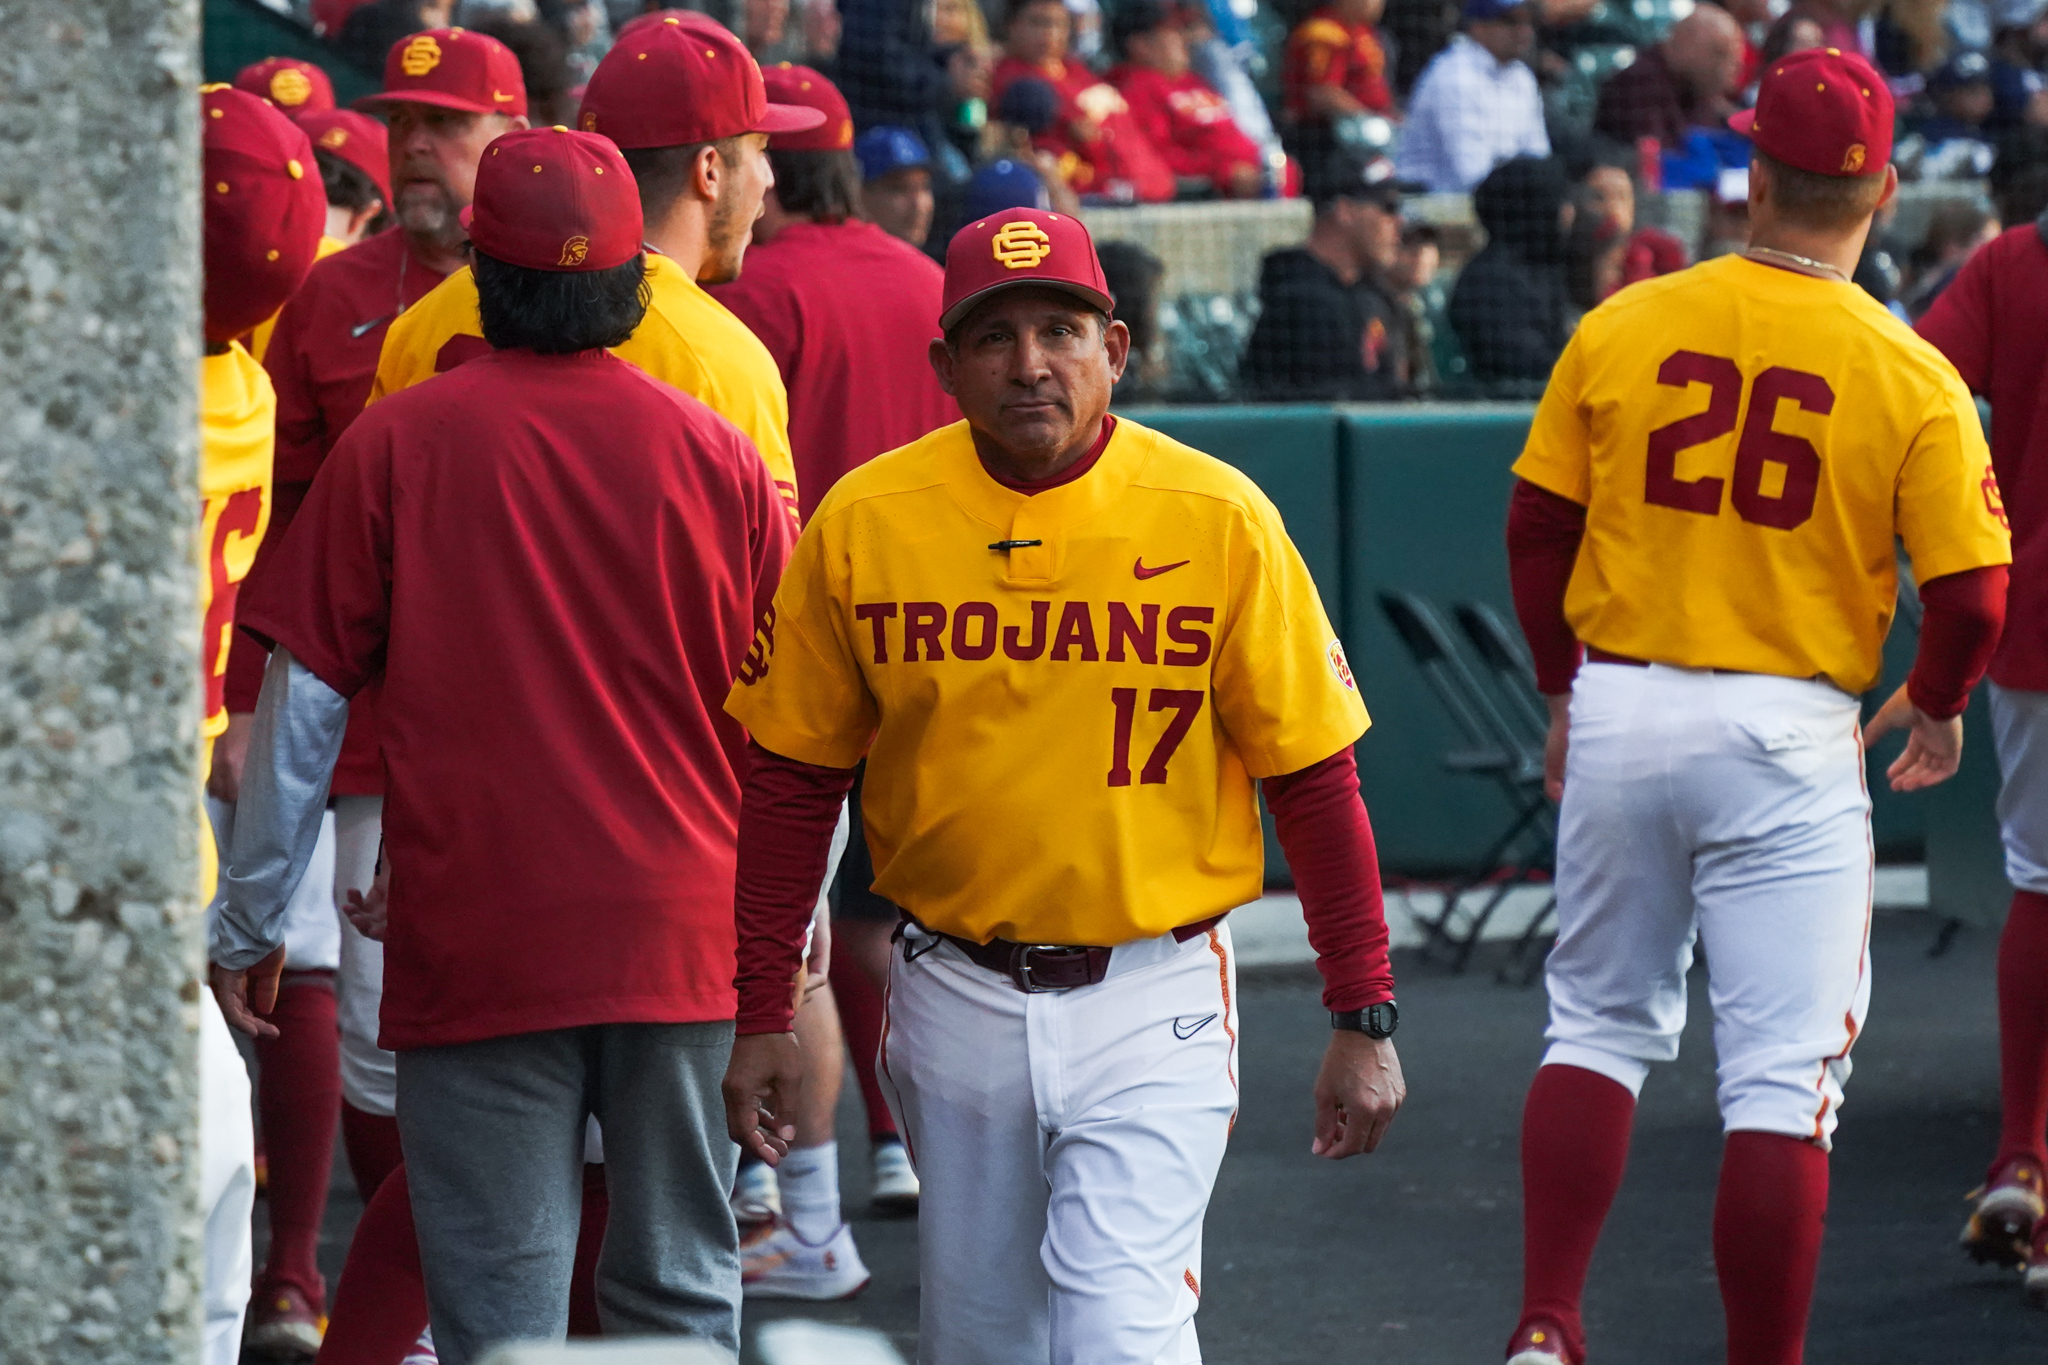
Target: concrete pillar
[(99, 682)]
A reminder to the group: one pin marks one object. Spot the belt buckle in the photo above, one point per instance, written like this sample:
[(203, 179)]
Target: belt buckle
[(1020, 968)]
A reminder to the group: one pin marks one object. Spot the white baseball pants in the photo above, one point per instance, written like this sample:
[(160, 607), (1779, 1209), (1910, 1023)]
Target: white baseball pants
[(369, 1074), (1727, 807), (2019, 725), (227, 1186), (1067, 1143)]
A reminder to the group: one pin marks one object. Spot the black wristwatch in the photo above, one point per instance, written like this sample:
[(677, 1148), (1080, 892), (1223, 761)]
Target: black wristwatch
[(1374, 1021)]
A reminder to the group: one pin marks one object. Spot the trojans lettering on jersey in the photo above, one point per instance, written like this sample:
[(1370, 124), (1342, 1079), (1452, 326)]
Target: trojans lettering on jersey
[(1147, 628)]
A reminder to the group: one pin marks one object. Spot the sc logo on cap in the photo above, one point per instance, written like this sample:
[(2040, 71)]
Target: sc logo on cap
[(333, 139), (421, 55), (574, 250), (1021, 245), (290, 87)]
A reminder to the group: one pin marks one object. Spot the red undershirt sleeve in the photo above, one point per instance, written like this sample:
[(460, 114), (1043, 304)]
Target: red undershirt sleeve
[(788, 811), (1965, 614), (1327, 837), (1544, 531)]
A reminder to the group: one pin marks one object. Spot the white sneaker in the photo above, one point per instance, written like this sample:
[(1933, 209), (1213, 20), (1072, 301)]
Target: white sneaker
[(756, 1198), (896, 1187), (775, 1263), (422, 1352)]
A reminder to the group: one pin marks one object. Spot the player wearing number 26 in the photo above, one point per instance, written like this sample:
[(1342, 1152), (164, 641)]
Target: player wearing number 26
[(1067, 647), (1709, 501)]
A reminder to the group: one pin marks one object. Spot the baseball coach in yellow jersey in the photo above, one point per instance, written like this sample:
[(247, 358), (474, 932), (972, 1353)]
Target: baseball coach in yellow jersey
[(1067, 647)]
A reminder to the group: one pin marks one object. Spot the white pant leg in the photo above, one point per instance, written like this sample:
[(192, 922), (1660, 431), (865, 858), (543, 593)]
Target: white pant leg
[(1067, 1143), (1782, 875), (2019, 725), (227, 1186), (956, 1071), (369, 1076), (1139, 1117), (1625, 922)]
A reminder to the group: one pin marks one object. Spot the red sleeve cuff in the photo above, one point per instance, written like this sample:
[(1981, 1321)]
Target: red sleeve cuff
[(1544, 533), (788, 811), (1965, 615), (1327, 837)]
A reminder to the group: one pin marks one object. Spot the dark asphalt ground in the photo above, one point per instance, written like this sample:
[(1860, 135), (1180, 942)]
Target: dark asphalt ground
[(1414, 1255)]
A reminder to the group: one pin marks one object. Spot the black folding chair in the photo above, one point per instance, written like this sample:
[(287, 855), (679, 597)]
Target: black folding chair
[(1491, 746), (1513, 677)]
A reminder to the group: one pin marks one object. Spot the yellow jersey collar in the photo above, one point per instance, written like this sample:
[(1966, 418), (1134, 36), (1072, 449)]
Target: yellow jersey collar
[(1044, 517)]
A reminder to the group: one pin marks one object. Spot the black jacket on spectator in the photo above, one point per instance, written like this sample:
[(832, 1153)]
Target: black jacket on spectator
[(1511, 306), (1320, 339), (887, 67)]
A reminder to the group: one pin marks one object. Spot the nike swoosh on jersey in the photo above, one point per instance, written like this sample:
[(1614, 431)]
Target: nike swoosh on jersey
[(1183, 1030), (1141, 571)]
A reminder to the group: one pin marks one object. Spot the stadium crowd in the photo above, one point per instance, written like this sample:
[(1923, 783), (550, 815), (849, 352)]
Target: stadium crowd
[(1365, 108), (1565, 122)]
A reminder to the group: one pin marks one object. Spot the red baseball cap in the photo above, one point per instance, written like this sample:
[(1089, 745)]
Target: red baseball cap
[(672, 84), (681, 18), (800, 85), (1019, 247), (1821, 110), (450, 68), (292, 85), (265, 209), (358, 139), (555, 199)]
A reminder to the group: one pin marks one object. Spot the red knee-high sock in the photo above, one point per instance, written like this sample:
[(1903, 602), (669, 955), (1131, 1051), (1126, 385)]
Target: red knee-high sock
[(860, 1018), (380, 1306), (371, 1143), (298, 1101), (597, 1208), (1575, 1130), (2023, 1030), (1768, 1216)]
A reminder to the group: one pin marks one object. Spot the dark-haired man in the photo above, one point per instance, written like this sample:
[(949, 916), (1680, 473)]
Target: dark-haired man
[(857, 387), (684, 100), (354, 155), (568, 954), (1052, 622), (1708, 502)]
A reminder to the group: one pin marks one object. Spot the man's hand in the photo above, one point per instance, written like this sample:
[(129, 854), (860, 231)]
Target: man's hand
[(1934, 748), (762, 1086), (237, 991), (1556, 743), (1358, 1092), (369, 913), (818, 963), (230, 754)]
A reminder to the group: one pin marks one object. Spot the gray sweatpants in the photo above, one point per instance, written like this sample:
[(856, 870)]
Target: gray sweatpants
[(493, 1139)]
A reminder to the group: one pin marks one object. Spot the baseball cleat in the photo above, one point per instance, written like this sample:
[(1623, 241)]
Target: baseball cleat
[(756, 1198), (2008, 1207), (896, 1186), (1539, 1343), (775, 1263), (2037, 1266), (283, 1326)]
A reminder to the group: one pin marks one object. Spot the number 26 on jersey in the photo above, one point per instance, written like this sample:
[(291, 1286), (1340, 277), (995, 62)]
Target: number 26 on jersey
[(1776, 475)]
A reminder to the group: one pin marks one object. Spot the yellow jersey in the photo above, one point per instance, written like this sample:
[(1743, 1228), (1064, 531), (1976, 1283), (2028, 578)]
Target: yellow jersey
[(1061, 736), (237, 430), (1747, 441), (688, 340), (259, 339)]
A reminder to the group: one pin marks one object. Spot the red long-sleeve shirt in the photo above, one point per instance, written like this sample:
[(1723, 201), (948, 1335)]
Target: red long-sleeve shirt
[(1965, 612)]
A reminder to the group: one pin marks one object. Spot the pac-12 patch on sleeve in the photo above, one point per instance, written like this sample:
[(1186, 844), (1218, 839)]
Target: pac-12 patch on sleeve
[(1341, 666)]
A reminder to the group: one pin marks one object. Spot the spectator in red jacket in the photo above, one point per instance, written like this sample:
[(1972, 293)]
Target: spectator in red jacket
[(1337, 65), (1187, 121), (1608, 189), (1111, 156)]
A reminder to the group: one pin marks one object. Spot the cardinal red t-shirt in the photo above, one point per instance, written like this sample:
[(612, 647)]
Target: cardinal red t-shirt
[(1988, 323), (847, 311), (321, 359), (557, 565), (1101, 148), (1189, 123)]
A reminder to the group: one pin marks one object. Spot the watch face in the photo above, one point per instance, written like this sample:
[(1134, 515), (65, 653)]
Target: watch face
[(1381, 1020)]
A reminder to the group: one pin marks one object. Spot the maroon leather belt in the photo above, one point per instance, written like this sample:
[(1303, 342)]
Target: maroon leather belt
[(1035, 968), (1596, 655)]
